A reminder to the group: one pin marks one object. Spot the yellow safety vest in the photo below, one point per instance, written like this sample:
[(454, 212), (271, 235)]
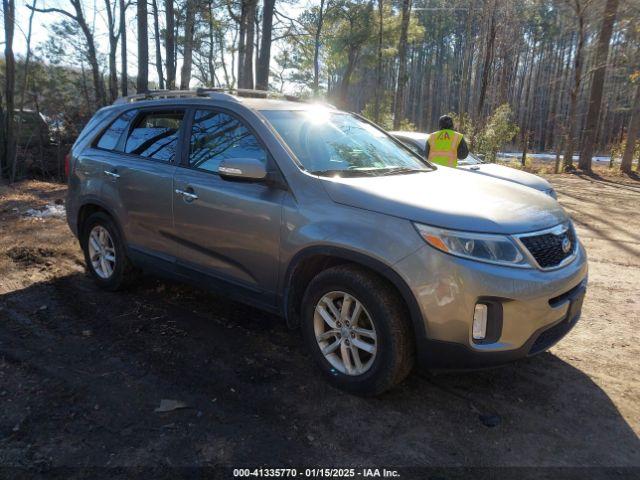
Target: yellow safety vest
[(443, 147)]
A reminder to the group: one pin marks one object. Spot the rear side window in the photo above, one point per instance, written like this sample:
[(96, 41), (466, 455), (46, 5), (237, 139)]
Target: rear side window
[(109, 139), (155, 135), (216, 136), (91, 126)]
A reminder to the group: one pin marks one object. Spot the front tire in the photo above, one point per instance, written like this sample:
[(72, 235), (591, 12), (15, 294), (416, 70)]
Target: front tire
[(105, 253), (355, 327)]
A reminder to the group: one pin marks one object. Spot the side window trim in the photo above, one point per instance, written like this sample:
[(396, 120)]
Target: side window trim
[(271, 164), (185, 138), (145, 111)]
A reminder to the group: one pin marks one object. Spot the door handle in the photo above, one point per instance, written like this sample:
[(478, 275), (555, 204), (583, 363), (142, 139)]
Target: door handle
[(111, 174), (185, 194)]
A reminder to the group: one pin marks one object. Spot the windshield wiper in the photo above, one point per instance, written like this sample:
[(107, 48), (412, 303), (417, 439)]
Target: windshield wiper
[(344, 172), (371, 172), (400, 170)]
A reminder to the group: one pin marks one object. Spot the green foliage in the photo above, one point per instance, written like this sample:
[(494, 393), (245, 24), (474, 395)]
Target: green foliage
[(386, 114), (498, 130), (385, 108), (348, 27), (464, 124), (407, 126), (59, 92)]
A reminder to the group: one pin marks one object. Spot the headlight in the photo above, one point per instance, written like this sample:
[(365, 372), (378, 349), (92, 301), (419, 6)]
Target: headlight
[(482, 247), (552, 193)]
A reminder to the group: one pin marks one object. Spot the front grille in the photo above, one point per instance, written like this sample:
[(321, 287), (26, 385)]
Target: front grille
[(547, 247)]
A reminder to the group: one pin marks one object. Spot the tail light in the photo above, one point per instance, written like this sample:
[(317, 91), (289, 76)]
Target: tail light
[(67, 164)]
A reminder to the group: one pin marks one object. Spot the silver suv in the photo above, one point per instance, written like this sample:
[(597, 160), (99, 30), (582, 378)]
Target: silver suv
[(381, 258)]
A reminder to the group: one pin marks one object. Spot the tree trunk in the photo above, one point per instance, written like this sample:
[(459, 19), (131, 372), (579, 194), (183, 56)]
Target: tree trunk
[(23, 90), (25, 76), (632, 134), (346, 78), (249, 35), (7, 160), (525, 148), (225, 71), (316, 49), (398, 109), (143, 48), (210, 60), (467, 61), (189, 31), (573, 97), (124, 87), (264, 58), (98, 84), (242, 47), (156, 35), (170, 40), (378, 90), (597, 85), (488, 59), (113, 49)]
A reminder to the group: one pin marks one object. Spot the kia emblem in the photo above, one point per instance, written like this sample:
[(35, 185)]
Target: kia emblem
[(566, 245)]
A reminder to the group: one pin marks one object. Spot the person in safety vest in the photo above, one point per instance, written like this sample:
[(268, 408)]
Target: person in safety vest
[(446, 146)]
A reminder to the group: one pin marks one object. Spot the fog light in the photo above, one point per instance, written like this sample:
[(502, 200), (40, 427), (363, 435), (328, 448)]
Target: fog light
[(480, 321)]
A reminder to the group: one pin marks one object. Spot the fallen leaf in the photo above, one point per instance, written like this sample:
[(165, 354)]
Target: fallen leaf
[(170, 405)]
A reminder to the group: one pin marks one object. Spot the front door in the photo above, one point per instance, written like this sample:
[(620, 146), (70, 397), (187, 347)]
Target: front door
[(228, 229)]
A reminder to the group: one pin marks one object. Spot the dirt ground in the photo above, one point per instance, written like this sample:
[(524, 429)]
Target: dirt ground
[(83, 371)]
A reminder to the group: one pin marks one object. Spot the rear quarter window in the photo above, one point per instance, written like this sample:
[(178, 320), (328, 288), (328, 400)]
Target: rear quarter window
[(91, 126)]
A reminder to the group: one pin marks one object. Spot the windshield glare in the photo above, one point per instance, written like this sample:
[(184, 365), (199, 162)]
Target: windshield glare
[(335, 143)]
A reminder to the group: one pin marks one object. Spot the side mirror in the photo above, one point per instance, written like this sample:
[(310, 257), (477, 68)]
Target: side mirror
[(242, 169)]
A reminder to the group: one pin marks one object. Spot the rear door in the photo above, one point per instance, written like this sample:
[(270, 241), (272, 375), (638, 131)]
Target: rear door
[(140, 180), (227, 229)]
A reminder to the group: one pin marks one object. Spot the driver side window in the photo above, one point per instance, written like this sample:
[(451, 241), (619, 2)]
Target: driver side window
[(216, 136)]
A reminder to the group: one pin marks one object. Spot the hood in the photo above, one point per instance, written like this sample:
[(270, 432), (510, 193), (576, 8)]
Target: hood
[(510, 174), (450, 198)]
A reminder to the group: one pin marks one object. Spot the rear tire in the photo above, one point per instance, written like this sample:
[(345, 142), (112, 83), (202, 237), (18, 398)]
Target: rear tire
[(376, 331), (104, 253)]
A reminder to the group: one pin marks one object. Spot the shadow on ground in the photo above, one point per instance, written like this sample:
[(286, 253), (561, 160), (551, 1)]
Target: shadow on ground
[(83, 370)]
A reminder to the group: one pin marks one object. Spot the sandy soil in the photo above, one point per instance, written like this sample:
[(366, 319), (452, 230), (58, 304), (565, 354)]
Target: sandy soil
[(82, 371)]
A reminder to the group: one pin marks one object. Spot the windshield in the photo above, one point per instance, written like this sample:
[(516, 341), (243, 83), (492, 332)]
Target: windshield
[(335, 143)]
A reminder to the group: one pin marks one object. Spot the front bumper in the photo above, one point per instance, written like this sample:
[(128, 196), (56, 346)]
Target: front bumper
[(538, 307)]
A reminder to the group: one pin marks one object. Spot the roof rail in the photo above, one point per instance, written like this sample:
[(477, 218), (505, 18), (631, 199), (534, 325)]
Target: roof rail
[(228, 93), (156, 94), (249, 92)]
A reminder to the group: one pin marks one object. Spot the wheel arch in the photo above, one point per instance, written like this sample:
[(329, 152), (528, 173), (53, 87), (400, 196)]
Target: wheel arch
[(312, 260), (91, 206)]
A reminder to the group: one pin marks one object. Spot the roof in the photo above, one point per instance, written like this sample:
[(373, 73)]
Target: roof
[(273, 104), (255, 99)]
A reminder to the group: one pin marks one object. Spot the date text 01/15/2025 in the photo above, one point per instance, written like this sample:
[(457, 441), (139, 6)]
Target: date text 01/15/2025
[(316, 472)]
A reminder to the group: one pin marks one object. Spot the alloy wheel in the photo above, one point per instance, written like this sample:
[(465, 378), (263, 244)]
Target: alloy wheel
[(345, 333), (102, 252)]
